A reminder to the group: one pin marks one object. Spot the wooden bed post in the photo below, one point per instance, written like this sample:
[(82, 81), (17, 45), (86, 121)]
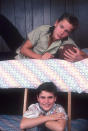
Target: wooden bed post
[(25, 101), (69, 111)]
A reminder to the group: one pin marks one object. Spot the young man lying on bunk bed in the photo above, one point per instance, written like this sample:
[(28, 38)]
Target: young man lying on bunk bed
[(44, 41)]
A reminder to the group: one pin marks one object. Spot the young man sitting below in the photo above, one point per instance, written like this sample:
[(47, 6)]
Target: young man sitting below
[(45, 115)]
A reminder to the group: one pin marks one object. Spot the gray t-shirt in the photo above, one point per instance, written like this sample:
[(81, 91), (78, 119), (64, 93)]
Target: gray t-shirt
[(39, 38)]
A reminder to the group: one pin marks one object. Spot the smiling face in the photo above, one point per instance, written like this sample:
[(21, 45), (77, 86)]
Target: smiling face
[(46, 100), (62, 29)]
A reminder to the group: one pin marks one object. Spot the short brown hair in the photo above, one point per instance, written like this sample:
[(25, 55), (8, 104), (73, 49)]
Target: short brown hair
[(71, 19)]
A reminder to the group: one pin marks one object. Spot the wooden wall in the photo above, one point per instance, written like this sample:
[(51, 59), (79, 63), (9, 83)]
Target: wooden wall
[(28, 14)]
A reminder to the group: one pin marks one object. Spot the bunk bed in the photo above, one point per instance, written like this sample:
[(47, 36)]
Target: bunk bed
[(30, 73)]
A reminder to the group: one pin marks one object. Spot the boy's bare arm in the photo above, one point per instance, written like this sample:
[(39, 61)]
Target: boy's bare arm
[(26, 50), (56, 125), (33, 122)]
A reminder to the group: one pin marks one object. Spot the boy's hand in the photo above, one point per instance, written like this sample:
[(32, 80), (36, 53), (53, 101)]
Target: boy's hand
[(46, 56), (56, 116), (74, 56)]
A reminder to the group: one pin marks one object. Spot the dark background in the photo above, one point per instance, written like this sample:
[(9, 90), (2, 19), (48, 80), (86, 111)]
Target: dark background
[(11, 102), (27, 15)]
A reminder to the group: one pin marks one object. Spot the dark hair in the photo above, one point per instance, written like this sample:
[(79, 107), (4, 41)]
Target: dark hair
[(71, 19), (47, 86)]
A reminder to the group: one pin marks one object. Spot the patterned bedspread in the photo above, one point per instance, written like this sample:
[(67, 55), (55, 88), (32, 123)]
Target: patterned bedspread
[(12, 122), (30, 73)]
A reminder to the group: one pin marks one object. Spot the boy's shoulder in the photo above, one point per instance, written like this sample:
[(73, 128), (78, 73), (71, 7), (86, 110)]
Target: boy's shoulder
[(43, 27)]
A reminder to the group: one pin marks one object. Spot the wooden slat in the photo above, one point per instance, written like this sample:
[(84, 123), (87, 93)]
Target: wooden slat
[(57, 8), (47, 12), (38, 13), (19, 12), (28, 16)]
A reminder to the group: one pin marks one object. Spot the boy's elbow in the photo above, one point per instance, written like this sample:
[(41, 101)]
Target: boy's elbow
[(21, 126), (61, 129)]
